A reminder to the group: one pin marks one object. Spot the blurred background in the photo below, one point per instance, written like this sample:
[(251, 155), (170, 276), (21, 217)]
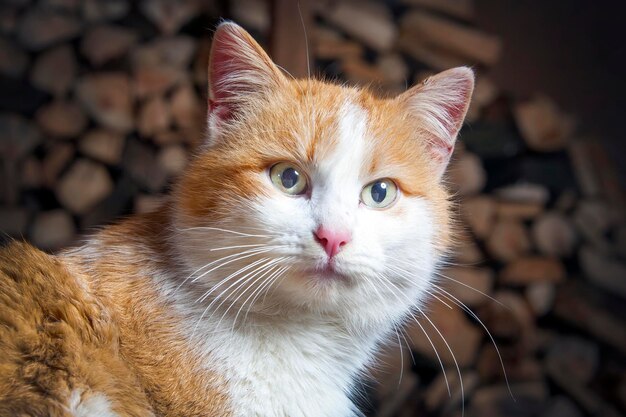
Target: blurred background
[(103, 101)]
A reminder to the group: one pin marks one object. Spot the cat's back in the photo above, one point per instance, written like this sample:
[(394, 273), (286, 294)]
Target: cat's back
[(58, 344)]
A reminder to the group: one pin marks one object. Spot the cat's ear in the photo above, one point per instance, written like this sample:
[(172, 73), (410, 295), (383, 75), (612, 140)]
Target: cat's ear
[(239, 72), (439, 105)]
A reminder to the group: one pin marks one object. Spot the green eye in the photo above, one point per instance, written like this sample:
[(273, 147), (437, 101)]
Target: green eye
[(288, 178), (379, 194)]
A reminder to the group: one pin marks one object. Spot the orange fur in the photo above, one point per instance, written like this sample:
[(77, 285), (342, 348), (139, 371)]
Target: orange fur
[(55, 337)]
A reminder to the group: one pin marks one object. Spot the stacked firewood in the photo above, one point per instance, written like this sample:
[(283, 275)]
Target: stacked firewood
[(103, 101), (109, 104)]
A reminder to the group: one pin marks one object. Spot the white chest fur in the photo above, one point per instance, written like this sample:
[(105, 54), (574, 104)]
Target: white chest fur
[(301, 369)]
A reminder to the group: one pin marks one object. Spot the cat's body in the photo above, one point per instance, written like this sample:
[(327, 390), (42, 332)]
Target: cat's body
[(304, 232)]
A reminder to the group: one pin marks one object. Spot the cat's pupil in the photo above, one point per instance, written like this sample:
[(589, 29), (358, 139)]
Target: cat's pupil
[(289, 178), (379, 192)]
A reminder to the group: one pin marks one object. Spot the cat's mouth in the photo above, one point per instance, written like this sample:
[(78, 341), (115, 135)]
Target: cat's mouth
[(329, 272)]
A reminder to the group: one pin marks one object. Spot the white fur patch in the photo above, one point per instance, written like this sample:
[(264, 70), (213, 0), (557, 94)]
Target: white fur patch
[(89, 405)]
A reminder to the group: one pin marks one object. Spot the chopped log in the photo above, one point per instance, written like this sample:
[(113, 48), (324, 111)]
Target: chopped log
[(106, 42), (593, 219), (463, 338), (588, 399), (436, 396), (53, 230), (41, 28), (512, 319), (574, 358), (154, 117), (252, 13), (496, 401), (518, 367), (173, 159), (532, 269), (566, 201), (330, 45), (596, 174), (604, 271), (460, 39), (19, 136), (104, 145), (146, 203), (107, 97), (168, 137), (431, 55), (114, 205), (142, 165), (58, 157), (168, 16), (13, 60), (9, 18), (13, 222), (98, 10), (467, 175), (540, 297), (366, 21), (458, 8), (586, 174), (151, 81), (508, 241), (55, 70), (62, 5), (171, 51), (479, 213), (542, 124), (358, 71), (187, 109), (93, 181), (518, 211), (562, 406), (62, 119), (466, 252), (480, 281), (393, 67), (524, 193), (574, 304), (554, 235), (32, 175)]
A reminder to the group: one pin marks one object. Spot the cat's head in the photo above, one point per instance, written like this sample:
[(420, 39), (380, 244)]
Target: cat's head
[(312, 194)]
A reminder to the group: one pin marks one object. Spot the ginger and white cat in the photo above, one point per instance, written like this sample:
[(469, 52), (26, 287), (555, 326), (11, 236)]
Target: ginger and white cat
[(305, 229)]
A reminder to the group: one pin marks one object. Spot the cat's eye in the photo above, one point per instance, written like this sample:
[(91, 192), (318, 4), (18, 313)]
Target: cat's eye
[(379, 194), (288, 178)]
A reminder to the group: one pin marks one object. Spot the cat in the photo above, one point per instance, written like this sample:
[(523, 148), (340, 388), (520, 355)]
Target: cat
[(309, 224)]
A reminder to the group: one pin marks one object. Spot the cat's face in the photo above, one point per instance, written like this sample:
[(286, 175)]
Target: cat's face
[(316, 195)]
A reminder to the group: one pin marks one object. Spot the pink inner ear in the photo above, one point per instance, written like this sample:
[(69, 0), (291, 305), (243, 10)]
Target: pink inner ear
[(221, 110), (441, 150), (223, 62)]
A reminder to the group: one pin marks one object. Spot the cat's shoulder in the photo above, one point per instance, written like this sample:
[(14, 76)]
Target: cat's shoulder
[(57, 341), (37, 288)]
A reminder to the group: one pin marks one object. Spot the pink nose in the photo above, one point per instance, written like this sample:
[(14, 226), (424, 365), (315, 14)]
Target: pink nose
[(331, 240)]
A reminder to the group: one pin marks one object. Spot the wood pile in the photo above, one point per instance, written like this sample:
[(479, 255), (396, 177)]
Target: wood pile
[(111, 101), (110, 111)]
